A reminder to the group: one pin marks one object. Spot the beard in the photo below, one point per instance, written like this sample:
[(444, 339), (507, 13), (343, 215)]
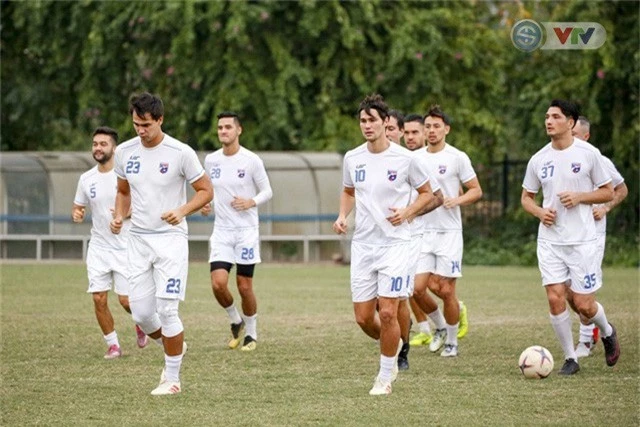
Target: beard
[(106, 156)]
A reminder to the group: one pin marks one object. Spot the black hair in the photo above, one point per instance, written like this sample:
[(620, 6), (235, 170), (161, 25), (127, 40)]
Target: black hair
[(568, 108), (413, 118), (398, 116), (374, 102), (436, 111), (105, 130), (146, 103), (231, 114)]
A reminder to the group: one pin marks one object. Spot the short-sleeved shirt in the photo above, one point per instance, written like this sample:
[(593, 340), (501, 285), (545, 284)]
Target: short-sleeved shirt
[(97, 190), (157, 177), (449, 167), (577, 168), (418, 225), (381, 181), (238, 175), (616, 179)]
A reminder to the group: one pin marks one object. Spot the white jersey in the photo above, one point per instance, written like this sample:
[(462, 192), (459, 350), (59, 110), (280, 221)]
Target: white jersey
[(97, 190), (579, 168), (381, 181), (157, 177), (418, 225), (616, 179), (449, 167), (238, 175)]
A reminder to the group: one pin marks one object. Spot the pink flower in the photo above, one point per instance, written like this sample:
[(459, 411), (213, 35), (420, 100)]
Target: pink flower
[(418, 55), (600, 73), (458, 56), (171, 70)]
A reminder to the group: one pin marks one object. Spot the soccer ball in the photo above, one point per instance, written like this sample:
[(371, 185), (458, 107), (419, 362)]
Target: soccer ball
[(536, 362)]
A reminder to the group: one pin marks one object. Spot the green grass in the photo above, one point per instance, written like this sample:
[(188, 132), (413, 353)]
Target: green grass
[(313, 365)]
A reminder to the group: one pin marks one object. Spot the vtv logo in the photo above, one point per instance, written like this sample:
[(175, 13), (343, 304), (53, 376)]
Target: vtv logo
[(528, 35), (574, 35)]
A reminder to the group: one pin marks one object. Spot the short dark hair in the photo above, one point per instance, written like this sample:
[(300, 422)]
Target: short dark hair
[(105, 130), (568, 108), (398, 116), (374, 102), (146, 103), (231, 114), (413, 117), (436, 111)]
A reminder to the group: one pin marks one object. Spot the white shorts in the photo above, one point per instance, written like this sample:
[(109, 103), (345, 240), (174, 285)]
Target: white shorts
[(106, 267), (379, 271), (441, 253), (235, 246), (414, 257), (601, 241), (158, 264), (558, 263)]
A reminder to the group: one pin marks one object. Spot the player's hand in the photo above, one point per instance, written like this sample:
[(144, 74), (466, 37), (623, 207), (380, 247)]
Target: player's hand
[(340, 226), (206, 209), (397, 217), (548, 217), (569, 199), (599, 212), (241, 204), (77, 215), (173, 217), (450, 202), (116, 224)]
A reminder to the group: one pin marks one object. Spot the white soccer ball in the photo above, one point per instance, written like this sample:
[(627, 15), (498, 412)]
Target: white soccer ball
[(536, 362)]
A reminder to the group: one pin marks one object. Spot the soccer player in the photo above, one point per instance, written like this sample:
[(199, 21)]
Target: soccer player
[(153, 169), (378, 177), (567, 170), (241, 184), (588, 331), (107, 253), (395, 126), (441, 260), (413, 131)]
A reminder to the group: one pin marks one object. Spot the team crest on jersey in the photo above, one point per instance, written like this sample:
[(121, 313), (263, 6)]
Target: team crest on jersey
[(442, 169), (164, 167), (240, 173), (575, 167), (392, 175)]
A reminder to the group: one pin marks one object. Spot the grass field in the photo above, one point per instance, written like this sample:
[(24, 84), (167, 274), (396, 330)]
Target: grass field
[(313, 365)]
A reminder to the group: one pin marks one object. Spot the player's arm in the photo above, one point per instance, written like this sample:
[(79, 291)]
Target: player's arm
[(265, 193), (619, 194), (400, 215), (203, 195), (472, 195), (602, 194), (347, 202), (123, 205), (547, 216), (77, 213), (435, 202)]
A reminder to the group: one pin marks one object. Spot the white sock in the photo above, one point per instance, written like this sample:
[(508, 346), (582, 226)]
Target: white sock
[(438, 319), (386, 367), (452, 334), (250, 326), (172, 366), (424, 327), (234, 316), (600, 320), (586, 332), (562, 327), (111, 339)]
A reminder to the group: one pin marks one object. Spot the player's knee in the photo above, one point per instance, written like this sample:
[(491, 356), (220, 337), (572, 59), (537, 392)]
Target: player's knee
[(245, 287), (169, 319), (143, 313), (100, 300)]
